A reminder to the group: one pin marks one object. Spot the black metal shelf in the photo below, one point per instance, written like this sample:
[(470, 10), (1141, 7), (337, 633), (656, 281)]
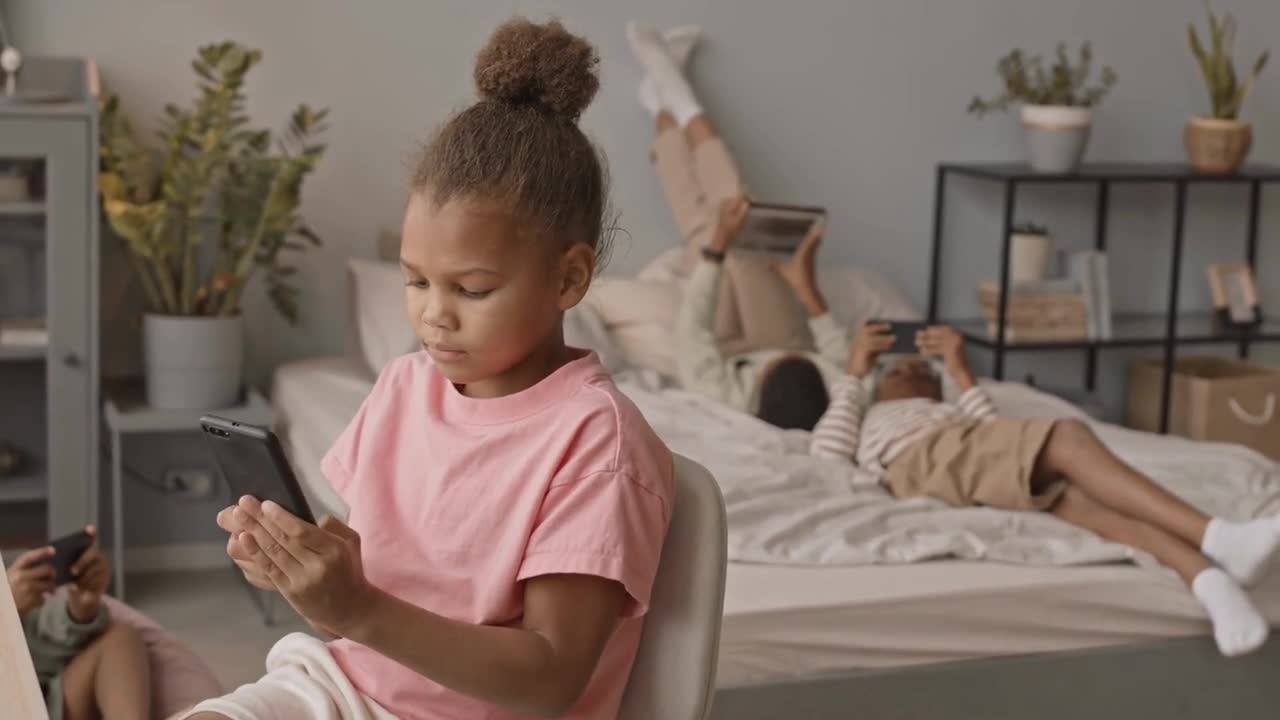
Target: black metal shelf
[(1167, 330)]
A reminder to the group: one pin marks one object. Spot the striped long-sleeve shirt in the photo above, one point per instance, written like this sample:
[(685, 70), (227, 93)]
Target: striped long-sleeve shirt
[(874, 434)]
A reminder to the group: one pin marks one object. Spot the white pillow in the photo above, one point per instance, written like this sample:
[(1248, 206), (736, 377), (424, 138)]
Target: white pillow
[(855, 294), (382, 323), (639, 315)]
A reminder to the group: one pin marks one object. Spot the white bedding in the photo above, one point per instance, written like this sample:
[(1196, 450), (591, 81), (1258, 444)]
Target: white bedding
[(801, 618)]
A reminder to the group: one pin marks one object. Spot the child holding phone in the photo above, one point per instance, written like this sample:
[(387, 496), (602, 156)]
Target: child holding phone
[(965, 455), (88, 666), (508, 504)]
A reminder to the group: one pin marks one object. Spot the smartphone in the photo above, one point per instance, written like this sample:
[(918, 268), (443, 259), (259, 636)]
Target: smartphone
[(252, 461), (904, 336), (66, 551)]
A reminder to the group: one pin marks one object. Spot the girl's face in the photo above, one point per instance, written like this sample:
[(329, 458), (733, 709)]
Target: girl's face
[(485, 295)]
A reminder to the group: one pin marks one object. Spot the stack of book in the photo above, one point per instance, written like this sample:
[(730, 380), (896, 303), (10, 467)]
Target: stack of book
[(1076, 307)]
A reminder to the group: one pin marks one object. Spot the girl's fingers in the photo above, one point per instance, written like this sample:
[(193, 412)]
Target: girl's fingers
[(31, 558)]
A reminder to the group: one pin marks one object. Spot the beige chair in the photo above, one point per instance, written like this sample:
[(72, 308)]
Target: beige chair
[(674, 675)]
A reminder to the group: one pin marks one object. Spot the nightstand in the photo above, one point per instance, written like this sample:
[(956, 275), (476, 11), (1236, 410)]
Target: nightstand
[(126, 413)]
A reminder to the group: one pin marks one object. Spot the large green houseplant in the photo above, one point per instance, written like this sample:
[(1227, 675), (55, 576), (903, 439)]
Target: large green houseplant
[(1220, 142), (1056, 103), (200, 214)]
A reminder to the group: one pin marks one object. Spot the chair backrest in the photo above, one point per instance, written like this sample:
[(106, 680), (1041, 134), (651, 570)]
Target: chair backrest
[(674, 675), (19, 690)]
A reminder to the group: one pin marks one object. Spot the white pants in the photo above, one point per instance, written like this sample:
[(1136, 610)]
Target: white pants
[(302, 681)]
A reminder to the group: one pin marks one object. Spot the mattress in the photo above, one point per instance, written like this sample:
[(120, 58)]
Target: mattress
[(782, 621)]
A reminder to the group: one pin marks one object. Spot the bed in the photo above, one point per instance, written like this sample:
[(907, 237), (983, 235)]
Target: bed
[(998, 635)]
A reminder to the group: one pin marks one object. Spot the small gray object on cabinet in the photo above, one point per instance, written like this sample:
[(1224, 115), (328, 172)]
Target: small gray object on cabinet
[(64, 136)]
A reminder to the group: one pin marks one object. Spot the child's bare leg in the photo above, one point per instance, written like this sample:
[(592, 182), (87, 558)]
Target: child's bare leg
[(1241, 548), (110, 678), (664, 121), (699, 130), (1074, 451), (1080, 509), (1238, 627)]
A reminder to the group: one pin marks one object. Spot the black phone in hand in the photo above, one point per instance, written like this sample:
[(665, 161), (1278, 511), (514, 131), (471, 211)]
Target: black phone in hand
[(904, 336), (66, 551)]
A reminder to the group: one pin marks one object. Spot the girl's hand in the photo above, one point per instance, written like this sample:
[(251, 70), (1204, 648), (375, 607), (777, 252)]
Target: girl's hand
[(92, 574), (800, 270), (944, 342), (237, 552), (871, 340), (317, 568), (31, 578)]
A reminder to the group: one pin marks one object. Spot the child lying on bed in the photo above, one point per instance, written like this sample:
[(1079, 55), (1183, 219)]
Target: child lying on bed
[(88, 666), (508, 505), (964, 455), (700, 179)]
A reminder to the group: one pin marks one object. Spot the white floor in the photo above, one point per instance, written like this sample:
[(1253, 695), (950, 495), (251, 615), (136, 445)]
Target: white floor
[(213, 612)]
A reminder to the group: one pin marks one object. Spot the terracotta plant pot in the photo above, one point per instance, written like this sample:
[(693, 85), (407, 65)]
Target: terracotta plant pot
[(1217, 146)]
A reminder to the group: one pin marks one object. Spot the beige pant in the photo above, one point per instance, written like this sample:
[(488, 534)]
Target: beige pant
[(696, 181)]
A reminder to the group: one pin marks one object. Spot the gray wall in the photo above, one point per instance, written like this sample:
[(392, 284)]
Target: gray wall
[(846, 104)]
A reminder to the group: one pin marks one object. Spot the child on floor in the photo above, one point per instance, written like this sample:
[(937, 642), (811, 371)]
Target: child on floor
[(700, 179), (88, 666), (964, 455), (508, 504)]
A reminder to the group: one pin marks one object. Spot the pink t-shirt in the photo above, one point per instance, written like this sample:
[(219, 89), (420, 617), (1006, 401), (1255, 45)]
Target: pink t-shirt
[(457, 500)]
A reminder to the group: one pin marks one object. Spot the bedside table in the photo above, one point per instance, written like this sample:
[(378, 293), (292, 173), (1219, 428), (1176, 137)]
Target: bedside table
[(125, 413)]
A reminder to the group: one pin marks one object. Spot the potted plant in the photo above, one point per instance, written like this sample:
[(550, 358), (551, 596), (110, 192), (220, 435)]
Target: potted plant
[(1220, 143), (1030, 248), (1056, 104), (214, 204)]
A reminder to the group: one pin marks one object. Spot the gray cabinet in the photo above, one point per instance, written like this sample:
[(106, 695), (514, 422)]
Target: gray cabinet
[(49, 279)]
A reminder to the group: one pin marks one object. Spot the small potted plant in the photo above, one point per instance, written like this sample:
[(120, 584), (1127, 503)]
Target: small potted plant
[(1056, 104), (1030, 248), (214, 204), (1220, 143)]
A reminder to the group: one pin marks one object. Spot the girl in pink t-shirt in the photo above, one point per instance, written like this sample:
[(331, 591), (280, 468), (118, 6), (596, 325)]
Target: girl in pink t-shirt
[(507, 504)]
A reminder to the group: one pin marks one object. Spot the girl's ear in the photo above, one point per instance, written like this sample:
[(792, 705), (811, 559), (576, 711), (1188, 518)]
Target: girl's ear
[(577, 267)]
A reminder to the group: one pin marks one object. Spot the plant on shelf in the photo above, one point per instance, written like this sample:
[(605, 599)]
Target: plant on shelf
[(1220, 142), (1056, 103), (215, 203)]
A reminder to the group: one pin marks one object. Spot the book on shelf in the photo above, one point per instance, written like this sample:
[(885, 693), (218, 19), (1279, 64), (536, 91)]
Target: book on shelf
[(1062, 333), (1089, 268), (24, 333)]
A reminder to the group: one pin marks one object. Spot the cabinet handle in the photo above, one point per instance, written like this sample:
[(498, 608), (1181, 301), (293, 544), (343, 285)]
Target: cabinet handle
[(71, 360)]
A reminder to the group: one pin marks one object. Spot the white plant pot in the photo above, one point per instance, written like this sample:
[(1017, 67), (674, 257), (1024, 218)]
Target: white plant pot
[(193, 363), (1029, 257), (1056, 136)]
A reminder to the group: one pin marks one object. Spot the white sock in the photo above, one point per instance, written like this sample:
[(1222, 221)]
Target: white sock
[(674, 91), (680, 43), (1237, 625), (1242, 548)]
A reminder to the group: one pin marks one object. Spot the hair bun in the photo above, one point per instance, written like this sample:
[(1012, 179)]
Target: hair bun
[(546, 65)]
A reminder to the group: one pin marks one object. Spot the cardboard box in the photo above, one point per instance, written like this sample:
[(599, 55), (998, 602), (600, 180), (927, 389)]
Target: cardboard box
[(1213, 398)]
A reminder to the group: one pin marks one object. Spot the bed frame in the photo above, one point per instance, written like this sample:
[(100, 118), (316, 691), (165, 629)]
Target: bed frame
[(1172, 679)]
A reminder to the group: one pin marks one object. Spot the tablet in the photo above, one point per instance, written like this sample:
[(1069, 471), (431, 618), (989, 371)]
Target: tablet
[(777, 228), (252, 461)]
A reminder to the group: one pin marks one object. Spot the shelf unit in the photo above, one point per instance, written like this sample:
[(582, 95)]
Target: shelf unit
[(1166, 330), (49, 269)]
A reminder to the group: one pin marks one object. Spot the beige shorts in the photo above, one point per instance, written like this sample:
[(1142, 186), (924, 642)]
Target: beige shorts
[(973, 462), (302, 681)]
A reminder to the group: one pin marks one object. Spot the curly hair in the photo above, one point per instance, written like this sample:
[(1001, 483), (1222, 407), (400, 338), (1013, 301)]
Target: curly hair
[(520, 144)]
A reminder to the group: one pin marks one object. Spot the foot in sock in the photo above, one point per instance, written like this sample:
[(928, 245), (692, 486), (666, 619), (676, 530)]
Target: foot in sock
[(680, 42), (672, 88), (1242, 548), (1238, 627)]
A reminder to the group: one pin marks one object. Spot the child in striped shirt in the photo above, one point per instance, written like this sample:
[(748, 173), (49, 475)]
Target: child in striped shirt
[(965, 455)]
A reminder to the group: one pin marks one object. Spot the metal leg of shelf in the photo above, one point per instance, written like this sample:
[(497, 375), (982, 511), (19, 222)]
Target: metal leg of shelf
[(1010, 199), (935, 258), (1251, 246), (1101, 210), (1171, 320), (117, 512)]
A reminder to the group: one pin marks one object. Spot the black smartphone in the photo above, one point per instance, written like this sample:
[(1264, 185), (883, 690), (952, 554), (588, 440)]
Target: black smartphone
[(66, 551), (252, 461), (904, 336)]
